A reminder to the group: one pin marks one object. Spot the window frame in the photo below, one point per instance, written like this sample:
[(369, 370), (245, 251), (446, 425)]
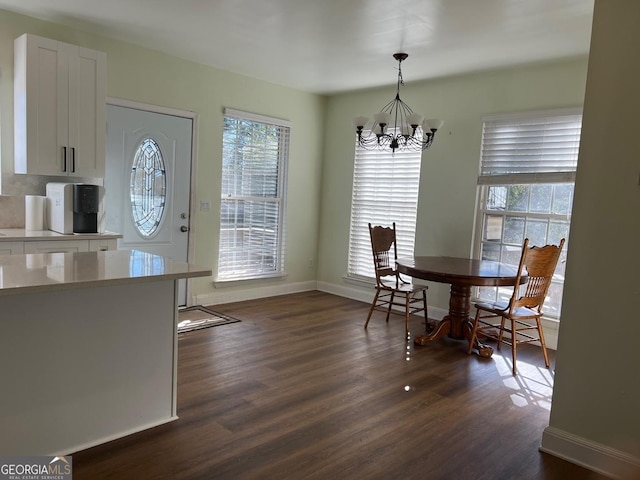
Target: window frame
[(359, 256), (566, 175), (280, 199)]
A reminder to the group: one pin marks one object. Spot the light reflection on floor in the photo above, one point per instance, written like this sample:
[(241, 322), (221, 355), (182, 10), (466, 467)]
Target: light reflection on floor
[(532, 385)]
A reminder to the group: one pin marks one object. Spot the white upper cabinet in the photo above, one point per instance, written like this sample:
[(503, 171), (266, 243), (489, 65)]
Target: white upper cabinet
[(60, 95)]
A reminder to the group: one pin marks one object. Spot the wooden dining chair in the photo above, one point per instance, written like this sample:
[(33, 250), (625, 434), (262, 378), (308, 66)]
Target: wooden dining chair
[(523, 310), (392, 290)]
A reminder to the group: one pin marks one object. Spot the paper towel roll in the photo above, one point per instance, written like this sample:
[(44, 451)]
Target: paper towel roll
[(33, 212)]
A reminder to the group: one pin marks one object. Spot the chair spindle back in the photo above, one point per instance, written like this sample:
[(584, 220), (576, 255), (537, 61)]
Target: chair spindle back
[(383, 240), (539, 263)]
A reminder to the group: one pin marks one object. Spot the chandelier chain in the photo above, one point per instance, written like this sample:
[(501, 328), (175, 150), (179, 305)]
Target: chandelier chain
[(400, 79)]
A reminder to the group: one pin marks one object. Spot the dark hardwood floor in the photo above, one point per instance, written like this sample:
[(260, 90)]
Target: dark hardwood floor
[(299, 390)]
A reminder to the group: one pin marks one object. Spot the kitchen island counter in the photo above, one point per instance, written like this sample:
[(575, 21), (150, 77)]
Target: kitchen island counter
[(89, 347), (22, 235), (39, 272)]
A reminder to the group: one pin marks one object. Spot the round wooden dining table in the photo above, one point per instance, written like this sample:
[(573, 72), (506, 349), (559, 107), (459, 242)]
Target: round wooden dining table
[(462, 274)]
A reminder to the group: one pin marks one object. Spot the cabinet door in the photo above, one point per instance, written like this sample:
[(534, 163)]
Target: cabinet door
[(57, 246), (39, 106), (103, 245), (87, 115), (11, 248), (59, 108)]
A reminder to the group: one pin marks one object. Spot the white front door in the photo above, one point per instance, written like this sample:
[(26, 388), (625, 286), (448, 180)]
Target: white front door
[(147, 182)]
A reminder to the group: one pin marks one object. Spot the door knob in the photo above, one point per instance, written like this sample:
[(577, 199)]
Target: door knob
[(184, 228)]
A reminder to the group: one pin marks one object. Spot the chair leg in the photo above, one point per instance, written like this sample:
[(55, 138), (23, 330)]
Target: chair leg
[(393, 296), (474, 332), (407, 311), (373, 306), (426, 314), (543, 344), (501, 334), (514, 343)]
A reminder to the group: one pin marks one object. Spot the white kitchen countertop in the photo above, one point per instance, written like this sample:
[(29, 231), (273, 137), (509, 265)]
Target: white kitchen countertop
[(22, 235), (41, 272)]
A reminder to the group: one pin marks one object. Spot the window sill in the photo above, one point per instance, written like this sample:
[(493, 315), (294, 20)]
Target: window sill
[(221, 283)]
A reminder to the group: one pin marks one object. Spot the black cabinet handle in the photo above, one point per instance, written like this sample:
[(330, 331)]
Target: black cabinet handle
[(73, 159), (64, 159)]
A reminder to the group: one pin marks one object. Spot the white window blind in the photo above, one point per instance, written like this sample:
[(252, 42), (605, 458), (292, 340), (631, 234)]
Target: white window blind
[(385, 190), (255, 151), (539, 147), (525, 185)]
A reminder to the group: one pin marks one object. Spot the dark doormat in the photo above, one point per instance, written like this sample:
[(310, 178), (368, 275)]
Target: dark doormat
[(198, 317)]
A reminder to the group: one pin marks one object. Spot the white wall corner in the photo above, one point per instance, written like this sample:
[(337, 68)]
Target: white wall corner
[(360, 294), (588, 454), (366, 295), (222, 296)]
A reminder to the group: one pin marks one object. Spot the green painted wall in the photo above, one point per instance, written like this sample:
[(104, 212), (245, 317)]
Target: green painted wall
[(151, 77), (450, 167), (597, 389), (321, 163), (597, 338)]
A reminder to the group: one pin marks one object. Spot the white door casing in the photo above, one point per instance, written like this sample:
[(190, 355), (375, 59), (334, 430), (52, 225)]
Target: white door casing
[(127, 129)]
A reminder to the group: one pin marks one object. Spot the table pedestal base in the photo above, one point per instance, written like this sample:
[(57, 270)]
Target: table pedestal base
[(457, 323)]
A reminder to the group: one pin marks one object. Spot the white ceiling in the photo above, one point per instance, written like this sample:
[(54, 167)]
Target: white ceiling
[(327, 46)]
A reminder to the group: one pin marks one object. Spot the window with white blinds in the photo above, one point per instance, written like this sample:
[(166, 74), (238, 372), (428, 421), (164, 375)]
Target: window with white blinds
[(538, 147), (255, 151), (526, 183), (385, 190)]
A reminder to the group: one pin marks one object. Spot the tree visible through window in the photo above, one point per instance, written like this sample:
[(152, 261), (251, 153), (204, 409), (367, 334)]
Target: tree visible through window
[(255, 152), (526, 183)]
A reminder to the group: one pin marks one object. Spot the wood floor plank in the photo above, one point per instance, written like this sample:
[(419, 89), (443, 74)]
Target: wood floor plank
[(300, 390)]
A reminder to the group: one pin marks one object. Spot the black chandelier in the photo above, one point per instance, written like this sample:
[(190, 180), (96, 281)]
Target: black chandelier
[(409, 130)]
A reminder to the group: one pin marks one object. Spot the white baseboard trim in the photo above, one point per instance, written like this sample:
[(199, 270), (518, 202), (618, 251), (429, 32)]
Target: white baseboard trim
[(550, 328), (366, 295), (550, 338), (362, 295), (226, 295), (109, 438), (591, 455)]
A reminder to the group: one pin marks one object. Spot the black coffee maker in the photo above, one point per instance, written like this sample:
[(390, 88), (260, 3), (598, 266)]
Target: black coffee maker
[(86, 202)]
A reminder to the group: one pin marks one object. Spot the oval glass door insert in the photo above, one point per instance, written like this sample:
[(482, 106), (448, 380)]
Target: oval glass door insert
[(148, 188)]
